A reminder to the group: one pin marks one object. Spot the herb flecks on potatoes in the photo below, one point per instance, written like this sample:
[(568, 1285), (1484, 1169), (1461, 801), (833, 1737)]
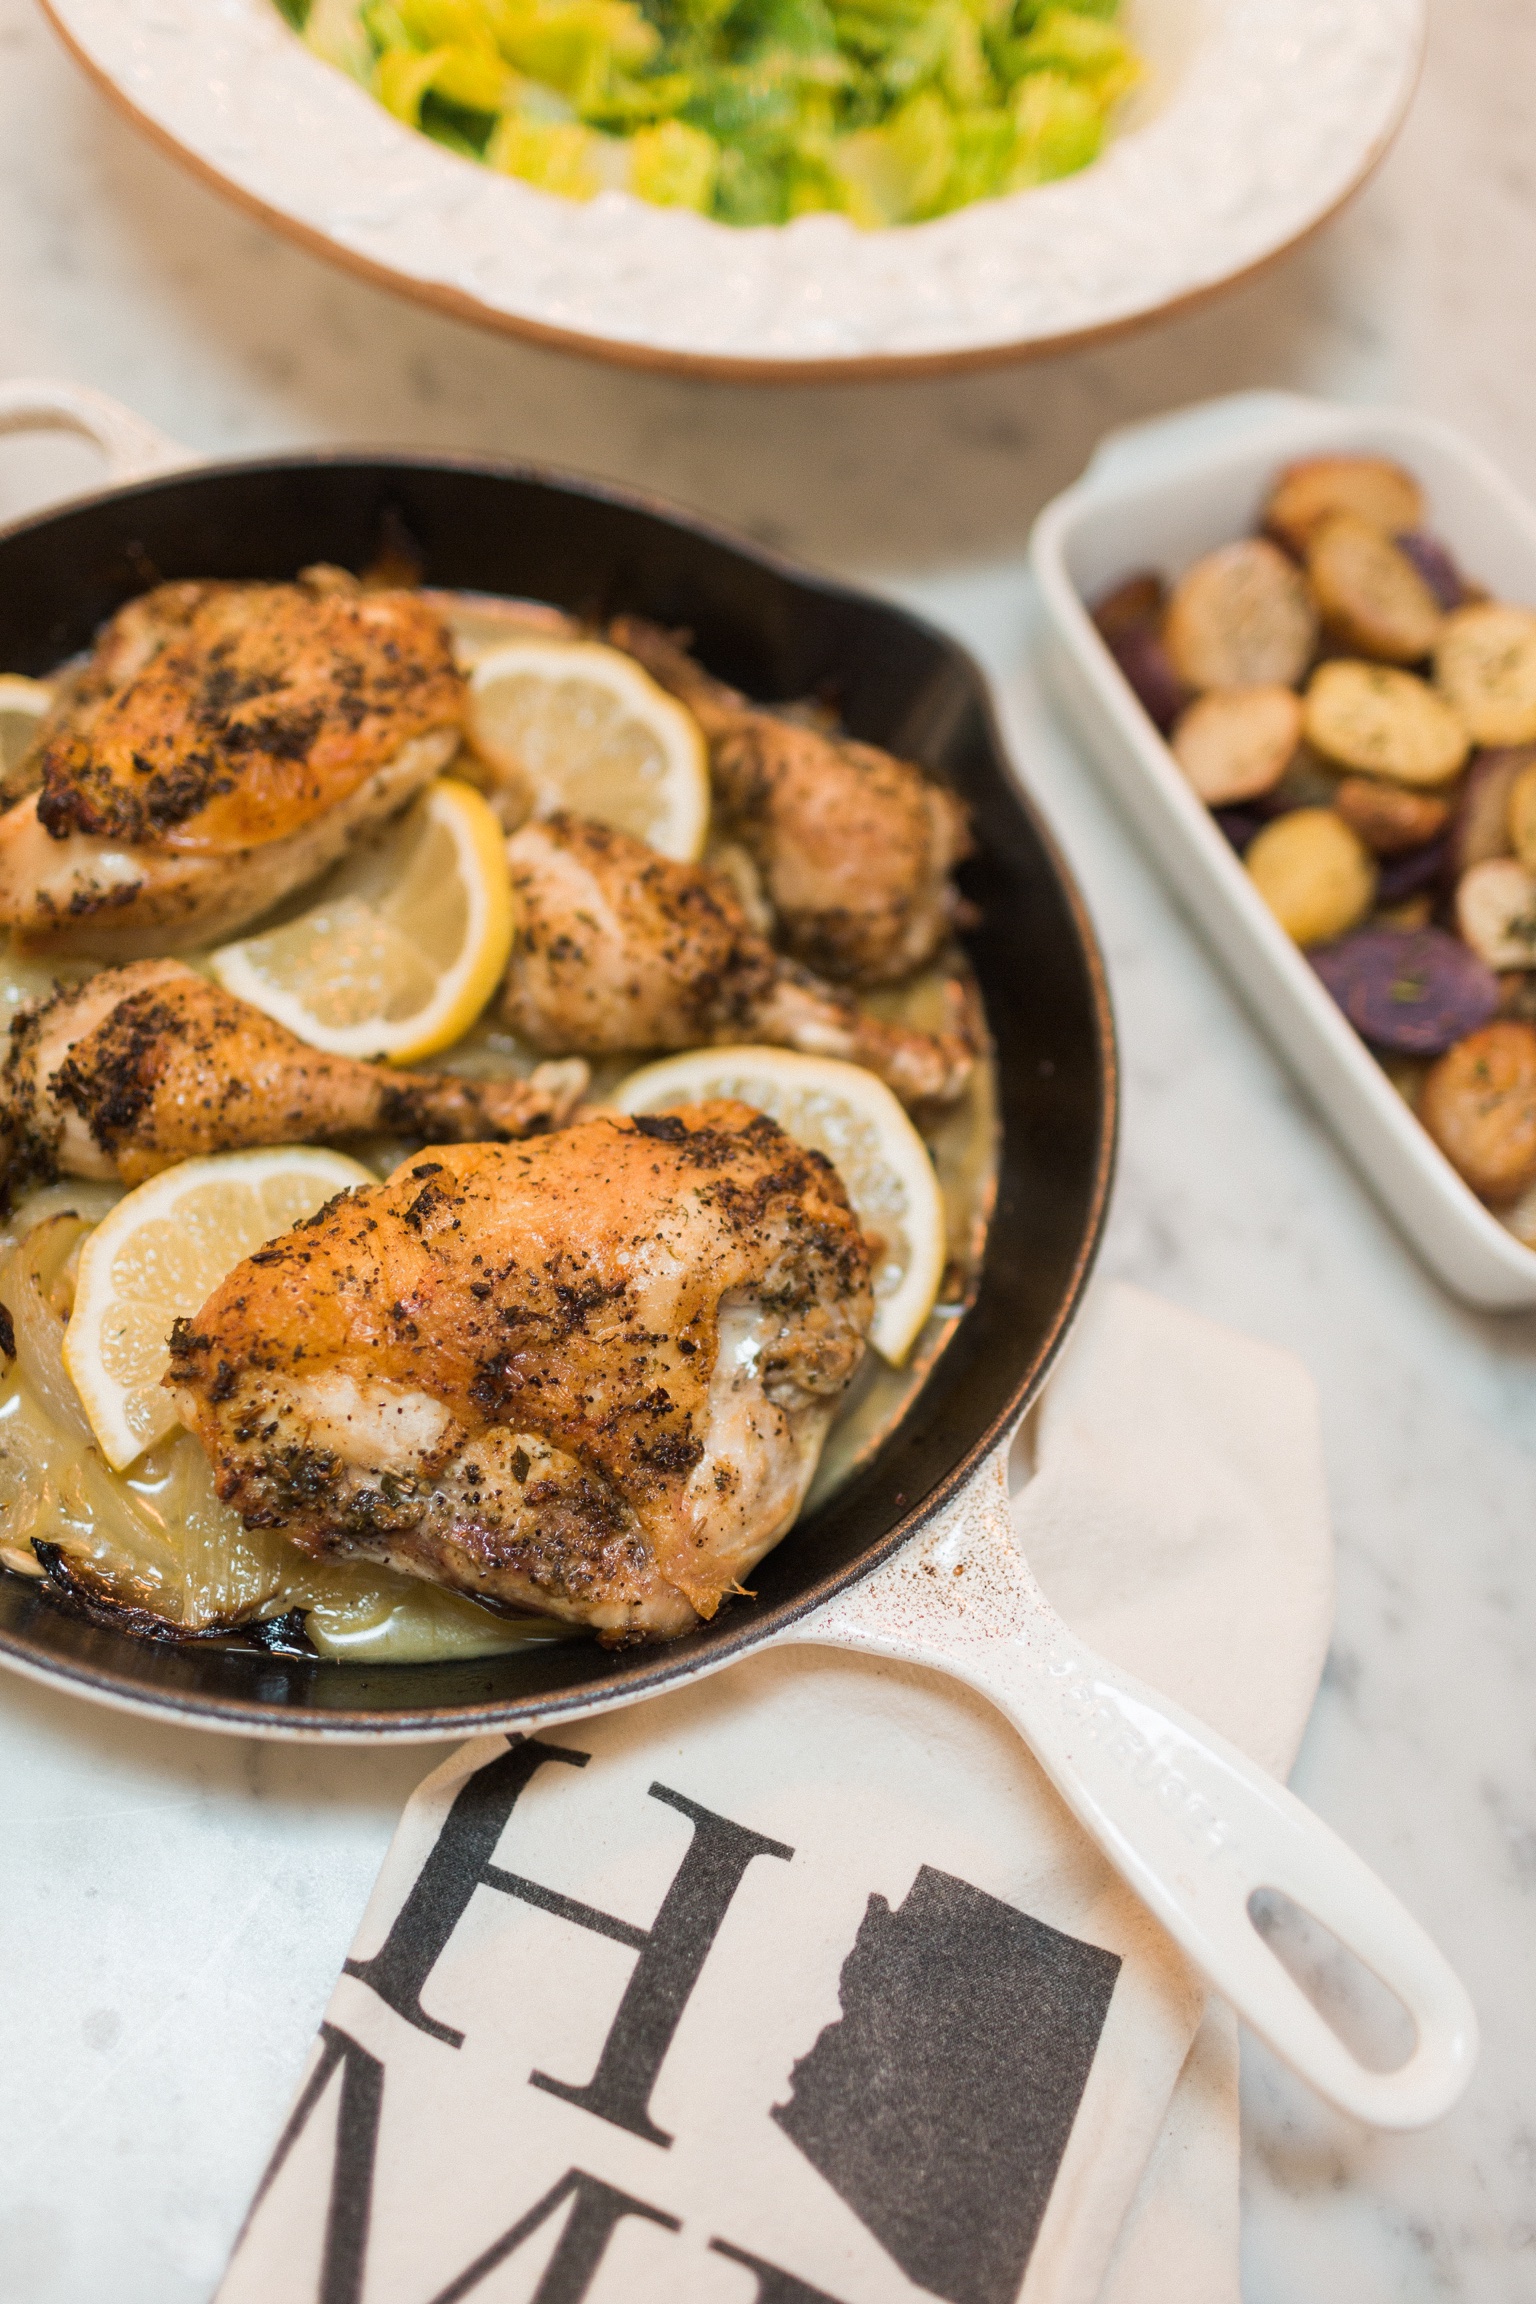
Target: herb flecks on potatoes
[(1383, 722), (1485, 667), (1371, 597), (1242, 617), (1367, 487)]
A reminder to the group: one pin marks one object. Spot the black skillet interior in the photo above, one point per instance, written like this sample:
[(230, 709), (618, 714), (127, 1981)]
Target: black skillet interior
[(777, 633)]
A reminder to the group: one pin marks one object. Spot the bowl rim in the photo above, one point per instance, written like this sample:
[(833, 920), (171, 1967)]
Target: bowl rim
[(1369, 110), (667, 1665)]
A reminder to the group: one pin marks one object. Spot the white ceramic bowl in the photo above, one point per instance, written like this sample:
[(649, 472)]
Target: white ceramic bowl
[(1258, 118), (1157, 496)]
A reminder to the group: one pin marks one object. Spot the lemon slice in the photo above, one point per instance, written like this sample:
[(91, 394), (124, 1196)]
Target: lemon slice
[(407, 943), (22, 705), (580, 726), (157, 1257), (845, 1112)]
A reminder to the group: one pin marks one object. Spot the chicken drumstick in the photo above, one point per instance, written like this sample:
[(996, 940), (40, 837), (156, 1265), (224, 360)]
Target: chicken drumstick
[(146, 1065), (619, 949)]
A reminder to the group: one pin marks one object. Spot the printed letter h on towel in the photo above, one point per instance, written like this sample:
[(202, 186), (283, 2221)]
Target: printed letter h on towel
[(672, 1951)]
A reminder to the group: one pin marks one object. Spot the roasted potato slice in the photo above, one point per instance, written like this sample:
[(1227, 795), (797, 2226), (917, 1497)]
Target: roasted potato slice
[(1371, 597), (1520, 816), (1485, 665), (1388, 817), (1479, 1105), (1315, 874), (1242, 617), (1416, 991), (1480, 827), (1496, 912), (1383, 722), (1369, 487), (1236, 742)]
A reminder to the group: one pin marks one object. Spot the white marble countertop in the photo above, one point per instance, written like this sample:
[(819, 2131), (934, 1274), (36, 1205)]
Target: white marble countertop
[(150, 2035)]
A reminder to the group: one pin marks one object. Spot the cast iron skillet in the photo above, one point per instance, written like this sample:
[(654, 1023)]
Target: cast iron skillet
[(776, 632)]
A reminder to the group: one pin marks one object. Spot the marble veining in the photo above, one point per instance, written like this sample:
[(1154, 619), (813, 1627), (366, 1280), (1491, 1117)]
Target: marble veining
[(177, 1906)]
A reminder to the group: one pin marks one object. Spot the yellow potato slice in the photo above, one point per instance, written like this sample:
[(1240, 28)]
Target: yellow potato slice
[(1479, 1105), (1370, 595), (1522, 816), (1382, 722), (1485, 666), (1236, 742), (1496, 912), (1242, 617), (1315, 874), (1370, 487)]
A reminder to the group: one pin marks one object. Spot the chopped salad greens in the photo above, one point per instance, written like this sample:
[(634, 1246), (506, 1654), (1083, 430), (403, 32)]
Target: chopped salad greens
[(750, 111)]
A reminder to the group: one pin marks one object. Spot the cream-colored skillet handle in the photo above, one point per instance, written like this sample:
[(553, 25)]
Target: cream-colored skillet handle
[(132, 448), (1187, 1819)]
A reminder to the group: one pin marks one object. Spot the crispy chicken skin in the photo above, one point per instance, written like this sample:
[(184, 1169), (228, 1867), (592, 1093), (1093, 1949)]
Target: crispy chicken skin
[(620, 949), (854, 846), (146, 1065), (225, 744), (588, 1375)]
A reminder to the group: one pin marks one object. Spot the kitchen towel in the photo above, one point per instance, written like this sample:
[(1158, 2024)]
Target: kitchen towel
[(799, 1985)]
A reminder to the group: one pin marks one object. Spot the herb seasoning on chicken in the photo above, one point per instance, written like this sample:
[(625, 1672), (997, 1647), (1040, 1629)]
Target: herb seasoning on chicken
[(588, 1375), (225, 744)]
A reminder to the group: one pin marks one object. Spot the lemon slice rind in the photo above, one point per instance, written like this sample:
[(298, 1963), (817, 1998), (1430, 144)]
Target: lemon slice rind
[(618, 749), (158, 1256), (845, 1112), (331, 974)]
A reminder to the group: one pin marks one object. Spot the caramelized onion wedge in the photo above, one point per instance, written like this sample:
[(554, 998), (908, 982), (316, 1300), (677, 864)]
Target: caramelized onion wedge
[(1382, 722), (1242, 617)]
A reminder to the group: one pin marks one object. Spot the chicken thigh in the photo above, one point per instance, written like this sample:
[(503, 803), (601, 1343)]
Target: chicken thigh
[(143, 1066), (589, 1375), (619, 949), (854, 846), (225, 744)]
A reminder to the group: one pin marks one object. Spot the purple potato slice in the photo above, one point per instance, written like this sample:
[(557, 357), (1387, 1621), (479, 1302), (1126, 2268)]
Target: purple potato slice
[(1410, 870), (1435, 565), (1416, 991), (1146, 667)]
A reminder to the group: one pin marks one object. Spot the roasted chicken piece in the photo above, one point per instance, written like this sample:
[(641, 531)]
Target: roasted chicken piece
[(619, 949), (143, 1066), (588, 1375), (225, 744), (854, 846)]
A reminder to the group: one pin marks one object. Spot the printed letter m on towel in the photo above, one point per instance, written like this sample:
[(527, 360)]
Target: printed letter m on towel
[(671, 1952)]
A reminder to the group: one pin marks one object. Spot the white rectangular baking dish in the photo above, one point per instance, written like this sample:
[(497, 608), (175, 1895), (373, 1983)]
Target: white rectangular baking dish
[(1157, 496)]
